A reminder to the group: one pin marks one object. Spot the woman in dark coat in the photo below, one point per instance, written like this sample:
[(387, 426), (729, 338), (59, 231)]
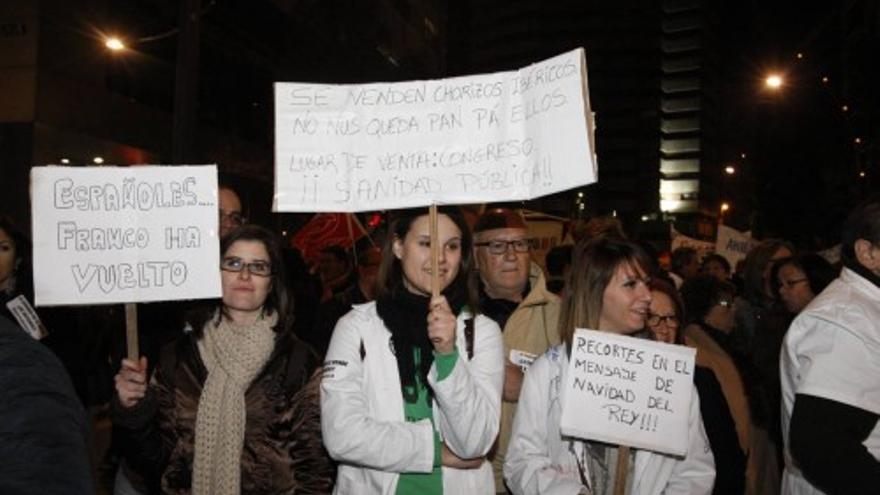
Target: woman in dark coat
[(230, 408)]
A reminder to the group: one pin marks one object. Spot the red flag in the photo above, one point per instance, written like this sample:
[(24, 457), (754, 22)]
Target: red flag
[(327, 229)]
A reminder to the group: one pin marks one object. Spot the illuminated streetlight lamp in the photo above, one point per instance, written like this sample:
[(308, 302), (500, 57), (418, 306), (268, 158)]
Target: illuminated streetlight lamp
[(114, 44), (98, 160), (773, 81), (725, 206), (65, 161), (729, 170)]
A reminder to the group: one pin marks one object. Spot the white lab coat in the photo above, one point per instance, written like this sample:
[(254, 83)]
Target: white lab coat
[(832, 350), (362, 412), (540, 460)]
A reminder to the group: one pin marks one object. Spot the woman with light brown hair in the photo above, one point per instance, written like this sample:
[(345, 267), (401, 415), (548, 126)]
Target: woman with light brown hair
[(608, 291)]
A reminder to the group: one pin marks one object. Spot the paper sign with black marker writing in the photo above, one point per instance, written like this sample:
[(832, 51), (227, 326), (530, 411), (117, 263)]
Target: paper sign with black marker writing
[(628, 391), (107, 235), (511, 135)]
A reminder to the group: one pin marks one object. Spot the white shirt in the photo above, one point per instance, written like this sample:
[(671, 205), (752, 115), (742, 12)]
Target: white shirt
[(832, 351)]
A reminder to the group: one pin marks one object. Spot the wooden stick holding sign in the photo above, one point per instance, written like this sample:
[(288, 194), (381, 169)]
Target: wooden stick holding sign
[(435, 251), (622, 470), (131, 331)]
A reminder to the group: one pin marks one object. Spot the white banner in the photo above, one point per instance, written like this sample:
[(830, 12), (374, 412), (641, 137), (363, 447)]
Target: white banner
[(627, 391), (508, 135), (733, 244), (124, 234), (680, 240)]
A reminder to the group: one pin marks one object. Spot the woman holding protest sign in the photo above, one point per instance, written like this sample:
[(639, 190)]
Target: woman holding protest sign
[(663, 322), (608, 291), (411, 393), (230, 408)]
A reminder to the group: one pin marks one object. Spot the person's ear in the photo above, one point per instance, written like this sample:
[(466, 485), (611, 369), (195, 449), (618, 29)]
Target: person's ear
[(867, 254), (397, 247)]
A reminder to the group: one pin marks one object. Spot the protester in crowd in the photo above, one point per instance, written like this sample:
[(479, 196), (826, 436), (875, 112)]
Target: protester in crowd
[(227, 410), (411, 394), (801, 278), (830, 370), (708, 305), (664, 319), (43, 427), (330, 311), (716, 265), (558, 262), (229, 209), (15, 277), (759, 319), (685, 265), (608, 291), (513, 294), (334, 269)]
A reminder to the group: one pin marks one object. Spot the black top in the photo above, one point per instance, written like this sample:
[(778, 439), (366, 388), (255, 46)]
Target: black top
[(825, 440), (43, 426)]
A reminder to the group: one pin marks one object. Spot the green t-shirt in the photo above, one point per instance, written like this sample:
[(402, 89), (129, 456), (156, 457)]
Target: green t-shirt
[(426, 483)]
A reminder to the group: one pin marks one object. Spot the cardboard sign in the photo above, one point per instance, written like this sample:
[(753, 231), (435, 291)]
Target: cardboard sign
[(627, 391), (513, 135), (124, 234), (733, 244)]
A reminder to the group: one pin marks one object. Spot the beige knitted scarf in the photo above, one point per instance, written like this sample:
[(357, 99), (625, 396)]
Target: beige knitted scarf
[(233, 355)]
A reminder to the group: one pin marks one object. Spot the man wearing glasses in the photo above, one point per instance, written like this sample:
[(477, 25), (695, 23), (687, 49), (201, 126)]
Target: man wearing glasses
[(513, 292), (229, 209)]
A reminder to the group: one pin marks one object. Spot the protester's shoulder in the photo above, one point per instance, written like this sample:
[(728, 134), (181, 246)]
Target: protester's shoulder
[(842, 305), (22, 357)]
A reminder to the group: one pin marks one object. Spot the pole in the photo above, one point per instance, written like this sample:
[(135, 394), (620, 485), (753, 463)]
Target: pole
[(622, 471), (131, 331), (186, 84), (435, 251)]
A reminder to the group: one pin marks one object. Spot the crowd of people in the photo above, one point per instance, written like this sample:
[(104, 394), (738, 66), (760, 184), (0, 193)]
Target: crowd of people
[(356, 378)]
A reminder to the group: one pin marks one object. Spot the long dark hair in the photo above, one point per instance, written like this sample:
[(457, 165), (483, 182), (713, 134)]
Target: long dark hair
[(277, 301), (21, 269), (404, 313), (817, 269), (390, 278), (593, 264)]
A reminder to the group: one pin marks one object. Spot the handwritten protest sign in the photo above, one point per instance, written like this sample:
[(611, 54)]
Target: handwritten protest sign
[(119, 234), (733, 244), (628, 391), (511, 135), (680, 240)]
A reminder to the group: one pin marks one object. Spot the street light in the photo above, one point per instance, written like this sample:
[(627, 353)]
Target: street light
[(725, 206), (773, 81), (114, 44), (729, 170)]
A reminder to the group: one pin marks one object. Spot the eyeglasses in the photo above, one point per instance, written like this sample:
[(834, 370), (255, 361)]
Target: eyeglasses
[(234, 264), (788, 284), (655, 319), (500, 247)]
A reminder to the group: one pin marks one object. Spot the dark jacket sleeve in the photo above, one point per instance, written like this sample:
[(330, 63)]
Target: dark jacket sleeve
[(730, 460), (825, 440), (148, 437), (43, 426)]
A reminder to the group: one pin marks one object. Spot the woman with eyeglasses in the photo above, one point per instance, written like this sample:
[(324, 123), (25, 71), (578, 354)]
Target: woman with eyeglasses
[(799, 279), (663, 323), (411, 392), (608, 291), (230, 408)]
